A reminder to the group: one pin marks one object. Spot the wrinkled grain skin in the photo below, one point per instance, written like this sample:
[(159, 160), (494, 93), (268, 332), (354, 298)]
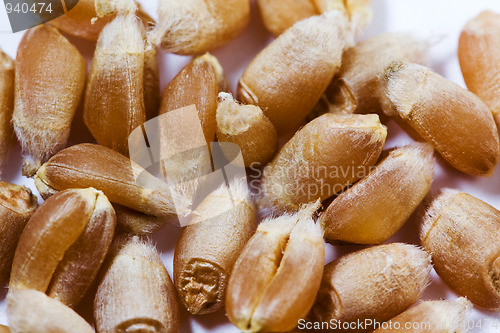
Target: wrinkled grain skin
[(209, 246), (275, 79), (279, 15), (376, 283), (64, 244), (50, 78), (7, 79), (460, 232), (355, 87), (478, 49), (32, 311), (271, 295), (438, 316), (114, 99), (247, 127), (135, 293), (328, 154), (455, 121), (120, 179), (17, 205), (196, 83), (190, 27), (376, 207)]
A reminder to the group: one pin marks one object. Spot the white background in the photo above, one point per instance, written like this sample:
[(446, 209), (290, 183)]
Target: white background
[(437, 21)]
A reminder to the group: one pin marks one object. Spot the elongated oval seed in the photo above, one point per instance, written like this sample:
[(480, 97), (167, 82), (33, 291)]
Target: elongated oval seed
[(17, 204), (32, 311), (431, 317), (455, 121), (120, 179), (246, 126), (7, 79), (275, 79), (461, 233), (478, 49), (376, 283), (377, 206), (328, 154), (280, 15), (196, 83), (209, 246), (195, 27), (355, 87), (60, 221), (50, 77), (114, 99), (64, 244), (135, 293), (275, 279)]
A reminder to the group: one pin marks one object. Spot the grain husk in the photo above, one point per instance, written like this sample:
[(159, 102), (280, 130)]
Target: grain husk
[(135, 293), (432, 317), (7, 79), (195, 27), (17, 205), (376, 207), (114, 100), (197, 83), (275, 79), (325, 156), (209, 246), (30, 310), (120, 179), (376, 283), (64, 244), (50, 78), (247, 127), (455, 121), (355, 88), (478, 47), (460, 232), (271, 295), (280, 15)]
